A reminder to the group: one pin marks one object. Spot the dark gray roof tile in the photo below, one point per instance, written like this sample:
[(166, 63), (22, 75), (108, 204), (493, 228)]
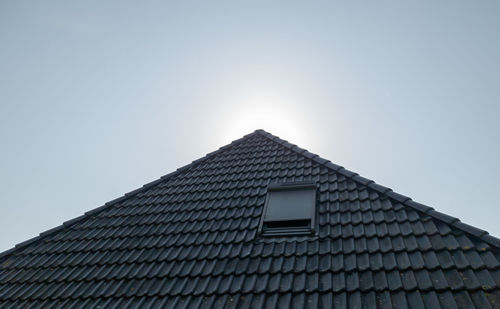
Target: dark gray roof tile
[(363, 262), (384, 300), (485, 279), (495, 274), (394, 280), (360, 245), (463, 300), (409, 280), (493, 297), (380, 281), (325, 282), (447, 301), (350, 262), (444, 259), (372, 244), (423, 279), (480, 300), (354, 300), (339, 281), (403, 260), (431, 300), (474, 259), (299, 282), (352, 281), (389, 260), (312, 281), (376, 261), (491, 240), (438, 279), (366, 282), (489, 259), (454, 279), (325, 263), (469, 279), (399, 300)]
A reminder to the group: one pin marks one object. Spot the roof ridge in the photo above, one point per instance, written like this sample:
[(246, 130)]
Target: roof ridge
[(125, 196), (403, 199)]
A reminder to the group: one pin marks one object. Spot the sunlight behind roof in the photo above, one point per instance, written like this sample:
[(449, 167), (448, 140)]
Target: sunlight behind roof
[(271, 114)]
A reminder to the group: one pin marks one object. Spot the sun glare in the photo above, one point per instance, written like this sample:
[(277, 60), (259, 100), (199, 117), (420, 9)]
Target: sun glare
[(278, 118)]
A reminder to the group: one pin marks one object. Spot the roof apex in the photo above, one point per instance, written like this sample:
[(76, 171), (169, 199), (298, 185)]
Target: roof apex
[(187, 239), (404, 200)]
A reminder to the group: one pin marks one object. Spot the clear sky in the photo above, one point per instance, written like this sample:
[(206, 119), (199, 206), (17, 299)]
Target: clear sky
[(100, 97)]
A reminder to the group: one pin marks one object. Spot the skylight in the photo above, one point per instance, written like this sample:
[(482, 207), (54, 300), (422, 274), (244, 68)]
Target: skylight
[(289, 209)]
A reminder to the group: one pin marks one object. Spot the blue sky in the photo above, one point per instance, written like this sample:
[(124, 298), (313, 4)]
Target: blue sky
[(98, 98)]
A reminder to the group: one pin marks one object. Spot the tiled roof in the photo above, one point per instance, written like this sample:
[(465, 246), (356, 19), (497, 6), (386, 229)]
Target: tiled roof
[(189, 240)]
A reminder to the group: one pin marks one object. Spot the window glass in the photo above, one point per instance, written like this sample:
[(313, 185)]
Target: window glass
[(290, 209), (290, 205)]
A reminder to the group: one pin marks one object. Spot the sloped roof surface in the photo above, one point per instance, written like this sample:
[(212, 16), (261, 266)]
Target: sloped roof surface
[(189, 240)]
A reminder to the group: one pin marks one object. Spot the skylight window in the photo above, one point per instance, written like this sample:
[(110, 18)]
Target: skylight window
[(289, 209)]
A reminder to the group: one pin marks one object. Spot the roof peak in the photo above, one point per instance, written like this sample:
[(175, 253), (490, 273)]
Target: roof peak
[(404, 200)]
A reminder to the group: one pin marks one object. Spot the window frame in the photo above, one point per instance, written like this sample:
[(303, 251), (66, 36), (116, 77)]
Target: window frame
[(289, 186)]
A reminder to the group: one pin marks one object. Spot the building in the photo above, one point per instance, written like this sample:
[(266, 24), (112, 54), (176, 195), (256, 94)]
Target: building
[(259, 223)]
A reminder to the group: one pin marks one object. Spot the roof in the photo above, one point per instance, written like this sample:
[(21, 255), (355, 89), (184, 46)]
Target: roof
[(189, 240)]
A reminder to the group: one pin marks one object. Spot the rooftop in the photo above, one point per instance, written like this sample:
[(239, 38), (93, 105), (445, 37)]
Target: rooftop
[(191, 239)]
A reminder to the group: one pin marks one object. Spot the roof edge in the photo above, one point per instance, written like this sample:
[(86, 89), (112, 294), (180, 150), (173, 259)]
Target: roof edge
[(403, 199), (127, 195)]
